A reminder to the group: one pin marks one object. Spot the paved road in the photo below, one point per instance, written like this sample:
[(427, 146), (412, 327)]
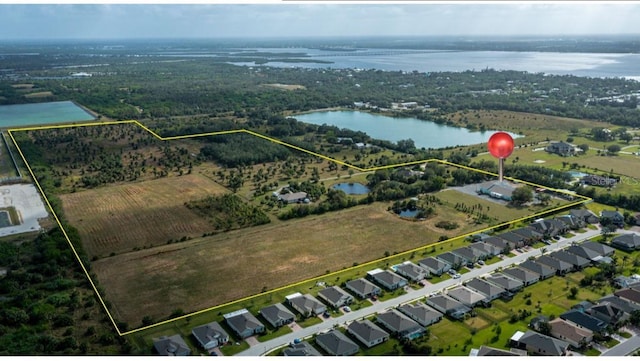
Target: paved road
[(264, 347)]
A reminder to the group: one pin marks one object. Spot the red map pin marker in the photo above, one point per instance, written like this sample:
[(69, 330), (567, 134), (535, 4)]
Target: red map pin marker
[(500, 145)]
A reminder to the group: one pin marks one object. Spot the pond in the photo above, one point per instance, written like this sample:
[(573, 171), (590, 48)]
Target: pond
[(409, 213), (425, 134), (352, 188), (575, 174), (42, 113)]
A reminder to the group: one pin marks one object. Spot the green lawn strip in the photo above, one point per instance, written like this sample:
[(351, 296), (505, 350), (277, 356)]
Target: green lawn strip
[(232, 349), (387, 295), (273, 333), (611, 342), (625, 334), (358, 304), (310, 321), (592, 352), (447, 337), (388, 348), (492, 260)]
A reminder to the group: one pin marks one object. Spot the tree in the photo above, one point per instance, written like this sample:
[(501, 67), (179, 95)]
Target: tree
[(613, 149), (521, 196), (584, 147), (573, 292), (627, 137)]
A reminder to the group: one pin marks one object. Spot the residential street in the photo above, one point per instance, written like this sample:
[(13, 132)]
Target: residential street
[(411, 295)]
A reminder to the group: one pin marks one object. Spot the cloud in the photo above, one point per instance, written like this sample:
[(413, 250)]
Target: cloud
[(329, 19)]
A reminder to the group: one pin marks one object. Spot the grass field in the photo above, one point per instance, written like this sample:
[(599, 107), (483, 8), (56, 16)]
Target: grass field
[(197, 274), (137, 215)]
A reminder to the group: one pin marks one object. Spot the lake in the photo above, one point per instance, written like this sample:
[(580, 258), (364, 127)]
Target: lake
[(352, 188), (425, 134), (21, 115), (581, 64)]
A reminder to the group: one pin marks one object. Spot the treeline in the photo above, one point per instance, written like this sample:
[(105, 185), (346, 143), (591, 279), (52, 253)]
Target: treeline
[(228, 211), (234, 150), (626, 201), (393, 184)]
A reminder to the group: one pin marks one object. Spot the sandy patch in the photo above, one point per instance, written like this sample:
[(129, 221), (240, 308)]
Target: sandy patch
[(539, 161)]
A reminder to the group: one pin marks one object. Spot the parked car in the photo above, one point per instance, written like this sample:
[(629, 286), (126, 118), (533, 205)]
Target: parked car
[(346, 309), (456, 276), (481, 262)]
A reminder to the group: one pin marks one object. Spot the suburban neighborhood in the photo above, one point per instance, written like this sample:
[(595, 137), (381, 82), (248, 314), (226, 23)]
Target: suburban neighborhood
[(514, 260)]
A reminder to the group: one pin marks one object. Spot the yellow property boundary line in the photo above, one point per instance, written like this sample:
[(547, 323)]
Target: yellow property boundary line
[(583, 199)]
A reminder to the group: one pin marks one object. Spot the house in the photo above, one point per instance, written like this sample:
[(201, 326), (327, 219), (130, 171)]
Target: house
[(561, 267), (295, 197), (584, 320), (527, 277), (488, 289), (582, 306), (335, 343), (609, 313), (277, 315), (598, 180), (367, 332), (210, 335), (584, 252), (626, 282), (513, 239), (498, 190), (467, 296), (171, 346), (307, 305), (506, 282), (631, 295), (448, 306), (411, 271), (576, 261), (541, 269), (303, 348), (492, 352), (335, 296), (488, 249), (467, 255), (243, 323), (561, 148), (539, 344), (452, 259), (434, 265), (570, 333), (626, 242), (498, 243), (571, 221), (600, 248), (585, 215), (530, 235), (550, 227), (400, 325), (422, 314), (387, 279), (362, 288), (614, 217), (621, 303)]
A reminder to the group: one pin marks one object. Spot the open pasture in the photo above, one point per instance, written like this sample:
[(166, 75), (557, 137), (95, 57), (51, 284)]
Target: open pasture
[(119, 218), (209, 271)]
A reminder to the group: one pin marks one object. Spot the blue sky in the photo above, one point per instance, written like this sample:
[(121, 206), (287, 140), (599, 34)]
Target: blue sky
[(60, 21)]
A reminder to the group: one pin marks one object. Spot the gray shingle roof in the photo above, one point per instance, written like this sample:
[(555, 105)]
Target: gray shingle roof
[(362, 286), (600, 248), (421, 313), (171, 346), (505, 282), (336, 343), (521, 274), (466, 295), (487, 288), (333, 294), (432, 263), (557, 264), (550, 345), (209, 332), (367, 330), (397, 322), (275, 313), (539, 268), (411, 270), (301, 349), (570, 258), (243, 321)]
